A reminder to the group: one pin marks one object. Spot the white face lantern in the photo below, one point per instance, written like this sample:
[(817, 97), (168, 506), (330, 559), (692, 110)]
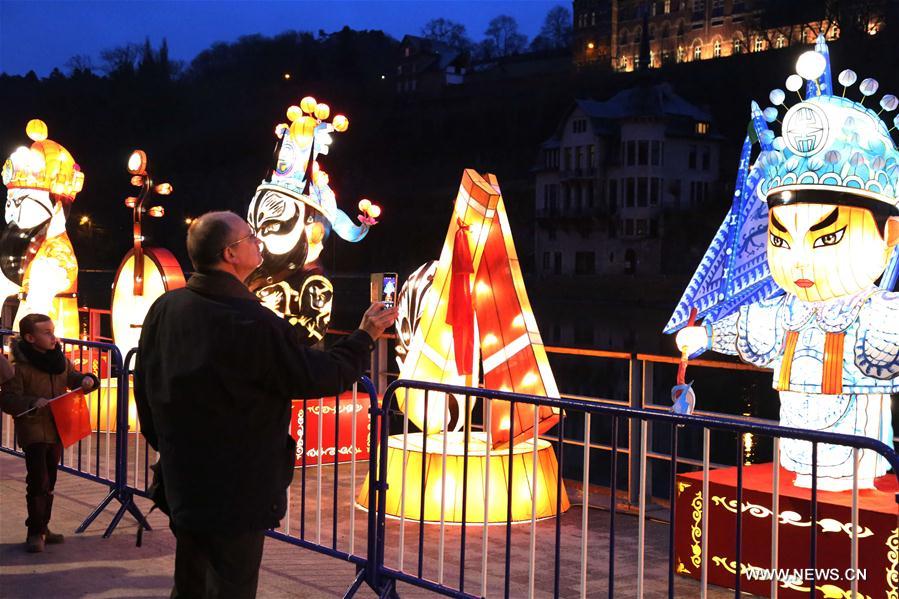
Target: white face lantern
[(28, 208)]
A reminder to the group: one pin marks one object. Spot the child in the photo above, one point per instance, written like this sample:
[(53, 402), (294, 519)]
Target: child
[(42, 372)]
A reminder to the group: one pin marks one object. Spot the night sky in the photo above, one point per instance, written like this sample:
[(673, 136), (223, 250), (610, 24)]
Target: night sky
[(39, 35)]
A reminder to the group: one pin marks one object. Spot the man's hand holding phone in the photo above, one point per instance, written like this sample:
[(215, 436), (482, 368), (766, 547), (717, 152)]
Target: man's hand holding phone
[(378, 318)]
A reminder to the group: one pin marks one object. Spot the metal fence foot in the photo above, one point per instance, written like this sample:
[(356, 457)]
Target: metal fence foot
[(97, 511), (115, 520), (389, 590), (135, 511), (360, 578)]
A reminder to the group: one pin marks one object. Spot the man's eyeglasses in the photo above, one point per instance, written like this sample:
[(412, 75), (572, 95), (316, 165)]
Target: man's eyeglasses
[(241, 240)]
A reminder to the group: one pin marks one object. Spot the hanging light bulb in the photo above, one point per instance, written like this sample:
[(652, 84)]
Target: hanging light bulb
[(847, 78), (868, 86), (794, 83), (770, 114), (889, 103), (777, 96), (811, 65), (156, 211)]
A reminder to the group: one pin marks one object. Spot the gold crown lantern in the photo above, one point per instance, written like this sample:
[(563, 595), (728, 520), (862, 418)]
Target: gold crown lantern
[(45, 165)]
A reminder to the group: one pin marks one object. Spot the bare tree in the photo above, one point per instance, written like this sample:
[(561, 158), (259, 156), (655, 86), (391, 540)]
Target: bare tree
[(449, 32), (556, 29), (121, 59), (503, 36), (79, 63)]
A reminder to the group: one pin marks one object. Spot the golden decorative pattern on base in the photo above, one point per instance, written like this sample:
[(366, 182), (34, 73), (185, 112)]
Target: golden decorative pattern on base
[(792, 518), (696, 530)]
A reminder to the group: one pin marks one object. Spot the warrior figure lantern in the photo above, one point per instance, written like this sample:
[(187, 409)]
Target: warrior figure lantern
[(36, 257), (293, 212), (800, 278)]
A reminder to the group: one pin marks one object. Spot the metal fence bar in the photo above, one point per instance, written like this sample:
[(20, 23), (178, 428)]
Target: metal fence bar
[(814, 521), (706, 508), (775, 514), (613, 505), (853, 552), (585, 512), (641, 518), (353, 458), (442, 537), (318, 475), (532, 550), (558, 554), (672, 486), (485, 530), (336, 467), (466, 440), (739, 533), (509, 499), (402, 539)]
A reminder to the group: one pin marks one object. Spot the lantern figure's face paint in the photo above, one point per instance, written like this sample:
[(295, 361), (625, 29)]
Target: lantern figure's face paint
[(28, 208), (818, 252), (279, 222)]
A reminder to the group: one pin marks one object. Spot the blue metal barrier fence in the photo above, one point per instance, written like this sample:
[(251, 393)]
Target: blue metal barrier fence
[(386, 577)]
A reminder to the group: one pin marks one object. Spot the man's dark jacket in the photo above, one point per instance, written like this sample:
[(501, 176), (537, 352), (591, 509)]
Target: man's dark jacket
[(215, 374)]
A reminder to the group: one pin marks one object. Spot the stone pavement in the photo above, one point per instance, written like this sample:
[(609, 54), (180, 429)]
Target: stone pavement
[(87, 565), (90, 566)]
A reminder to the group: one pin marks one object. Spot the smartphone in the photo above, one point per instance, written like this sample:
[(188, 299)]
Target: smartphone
[(384, 288)]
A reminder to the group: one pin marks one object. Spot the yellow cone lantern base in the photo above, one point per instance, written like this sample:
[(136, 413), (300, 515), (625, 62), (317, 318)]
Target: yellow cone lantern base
[(533, 486)]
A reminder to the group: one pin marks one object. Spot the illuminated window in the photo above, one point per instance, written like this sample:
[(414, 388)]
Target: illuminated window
[(697, 51), (680, 54), (759, 44), (667, 7), (716, 49), (780, 42), (702, 128), (738, 46)]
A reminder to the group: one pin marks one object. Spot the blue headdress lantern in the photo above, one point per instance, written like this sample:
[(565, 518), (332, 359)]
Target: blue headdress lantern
[(832, 149)]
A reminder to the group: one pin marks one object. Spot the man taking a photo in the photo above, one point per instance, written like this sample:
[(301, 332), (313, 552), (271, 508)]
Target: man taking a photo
[(215, 376)]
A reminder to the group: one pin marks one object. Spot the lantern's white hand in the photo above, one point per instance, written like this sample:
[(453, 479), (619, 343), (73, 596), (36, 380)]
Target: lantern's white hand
[(691, 340)]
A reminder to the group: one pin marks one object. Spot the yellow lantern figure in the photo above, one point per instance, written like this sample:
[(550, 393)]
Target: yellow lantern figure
[(36, 256), (513, 358)]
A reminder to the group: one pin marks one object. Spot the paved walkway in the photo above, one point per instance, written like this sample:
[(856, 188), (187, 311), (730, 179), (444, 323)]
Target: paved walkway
[(87, 565)]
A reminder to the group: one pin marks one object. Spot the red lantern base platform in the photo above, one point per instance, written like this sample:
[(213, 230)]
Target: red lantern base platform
[(878, 544), (315, 429)]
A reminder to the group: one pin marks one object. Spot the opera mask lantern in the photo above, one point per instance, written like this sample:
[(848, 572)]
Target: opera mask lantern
[(293, 212), (828, 186), (36, 256)]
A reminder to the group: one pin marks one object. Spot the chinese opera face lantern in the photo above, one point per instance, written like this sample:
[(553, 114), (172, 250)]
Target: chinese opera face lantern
[(38, 261), (293, 212), (819, 252), (829, 182), (831, 190)]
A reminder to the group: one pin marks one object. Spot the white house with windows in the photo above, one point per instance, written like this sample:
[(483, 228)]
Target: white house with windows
[(611, 176)]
